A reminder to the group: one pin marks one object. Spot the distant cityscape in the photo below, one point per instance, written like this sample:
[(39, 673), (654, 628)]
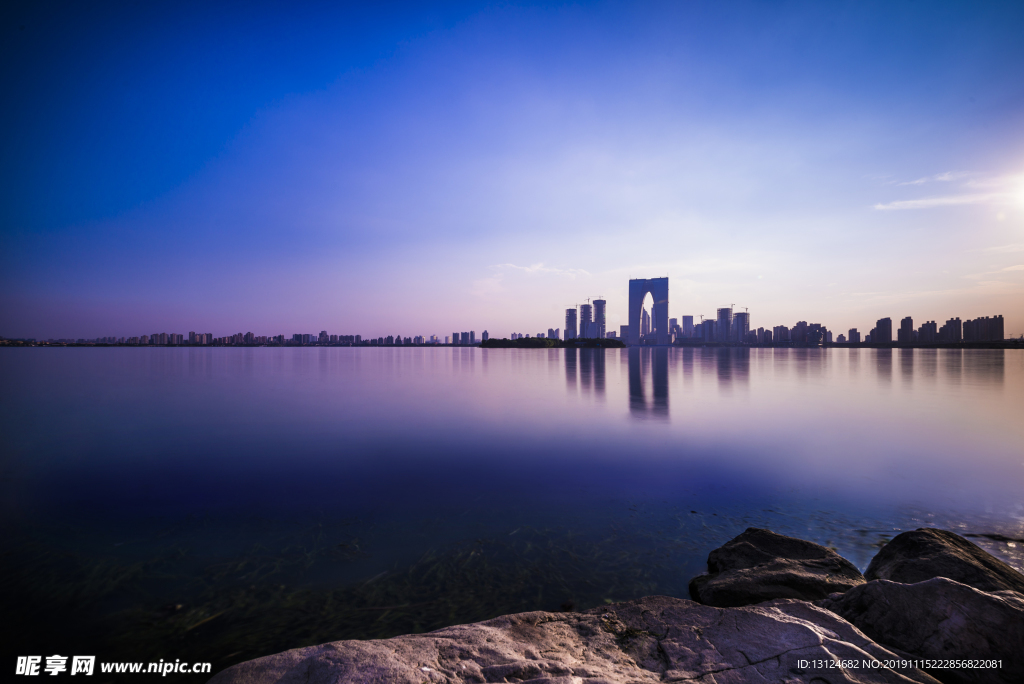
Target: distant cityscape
[(589, 320)]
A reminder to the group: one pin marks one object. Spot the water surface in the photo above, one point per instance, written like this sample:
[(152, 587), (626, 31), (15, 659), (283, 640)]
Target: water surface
[(220, 503)]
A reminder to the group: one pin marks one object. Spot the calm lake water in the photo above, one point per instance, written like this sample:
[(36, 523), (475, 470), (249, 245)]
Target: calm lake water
[(220, 504)]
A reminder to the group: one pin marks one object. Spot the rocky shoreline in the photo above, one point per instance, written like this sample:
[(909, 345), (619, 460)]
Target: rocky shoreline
[(931, 607)]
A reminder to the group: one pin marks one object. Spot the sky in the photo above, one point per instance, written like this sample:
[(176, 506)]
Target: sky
[(419, 169)]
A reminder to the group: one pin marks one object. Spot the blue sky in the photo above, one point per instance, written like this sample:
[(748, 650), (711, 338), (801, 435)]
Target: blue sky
[(420, 169)]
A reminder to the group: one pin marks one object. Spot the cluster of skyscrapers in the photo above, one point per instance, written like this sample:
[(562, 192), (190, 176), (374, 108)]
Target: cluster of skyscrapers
[(590, 322), (984, 329), (733, 327)]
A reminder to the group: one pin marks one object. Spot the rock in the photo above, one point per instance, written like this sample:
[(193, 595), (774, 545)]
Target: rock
[(655, 639), (926, 553), (760, 565), (941, 619)]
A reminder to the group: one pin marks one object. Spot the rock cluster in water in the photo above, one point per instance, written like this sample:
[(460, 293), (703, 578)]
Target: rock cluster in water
[(771, 609)]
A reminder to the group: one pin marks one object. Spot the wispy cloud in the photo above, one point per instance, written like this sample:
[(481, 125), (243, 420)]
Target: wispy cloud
[(940, 177), (1014, 247), (974, 190), (943, 201), (541, 268)]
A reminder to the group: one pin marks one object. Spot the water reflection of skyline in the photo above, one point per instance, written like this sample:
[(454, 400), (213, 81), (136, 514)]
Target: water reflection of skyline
[(653, 370), (648, 368)]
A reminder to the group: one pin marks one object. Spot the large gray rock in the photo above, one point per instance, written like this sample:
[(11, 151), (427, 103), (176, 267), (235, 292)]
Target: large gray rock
[(941, 619), (655, 639), (926, 553), (760, 565)]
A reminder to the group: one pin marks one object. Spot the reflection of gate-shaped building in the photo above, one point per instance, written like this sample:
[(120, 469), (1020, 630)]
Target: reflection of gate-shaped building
[(638, 290), (648, 366)]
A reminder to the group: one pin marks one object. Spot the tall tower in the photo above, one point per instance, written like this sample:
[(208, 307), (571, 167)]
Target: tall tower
[(599, 318), (585, 320), (724, 324), (883, 334), (658, 289), (740, 326), (570, 324)]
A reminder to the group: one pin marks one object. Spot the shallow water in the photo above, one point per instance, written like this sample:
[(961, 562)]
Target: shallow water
[(219, 504)]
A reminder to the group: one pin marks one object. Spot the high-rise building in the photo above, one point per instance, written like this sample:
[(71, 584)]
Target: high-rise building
[(688, 326), (952, 331), (723, 324), (740, 326), (882, 332), (464, 338), (485, 336), (905, 335), (586, 319), (815, 333), (599, 317), (674, 331), (455, 338), (645, 324), (570, 324), (987, 329), (657, 289), (854, 336), (472, 337), (624, 333)]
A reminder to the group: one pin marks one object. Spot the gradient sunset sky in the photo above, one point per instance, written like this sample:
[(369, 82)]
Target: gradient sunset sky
[(419, 169)]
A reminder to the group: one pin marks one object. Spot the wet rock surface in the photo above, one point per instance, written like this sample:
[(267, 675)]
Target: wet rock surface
[(655, 639), (942, 599), (922, 554), (941, 619), (760, 565)]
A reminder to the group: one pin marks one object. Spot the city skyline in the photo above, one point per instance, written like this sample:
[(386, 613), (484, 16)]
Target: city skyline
[(728, 327), (192, 167)]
